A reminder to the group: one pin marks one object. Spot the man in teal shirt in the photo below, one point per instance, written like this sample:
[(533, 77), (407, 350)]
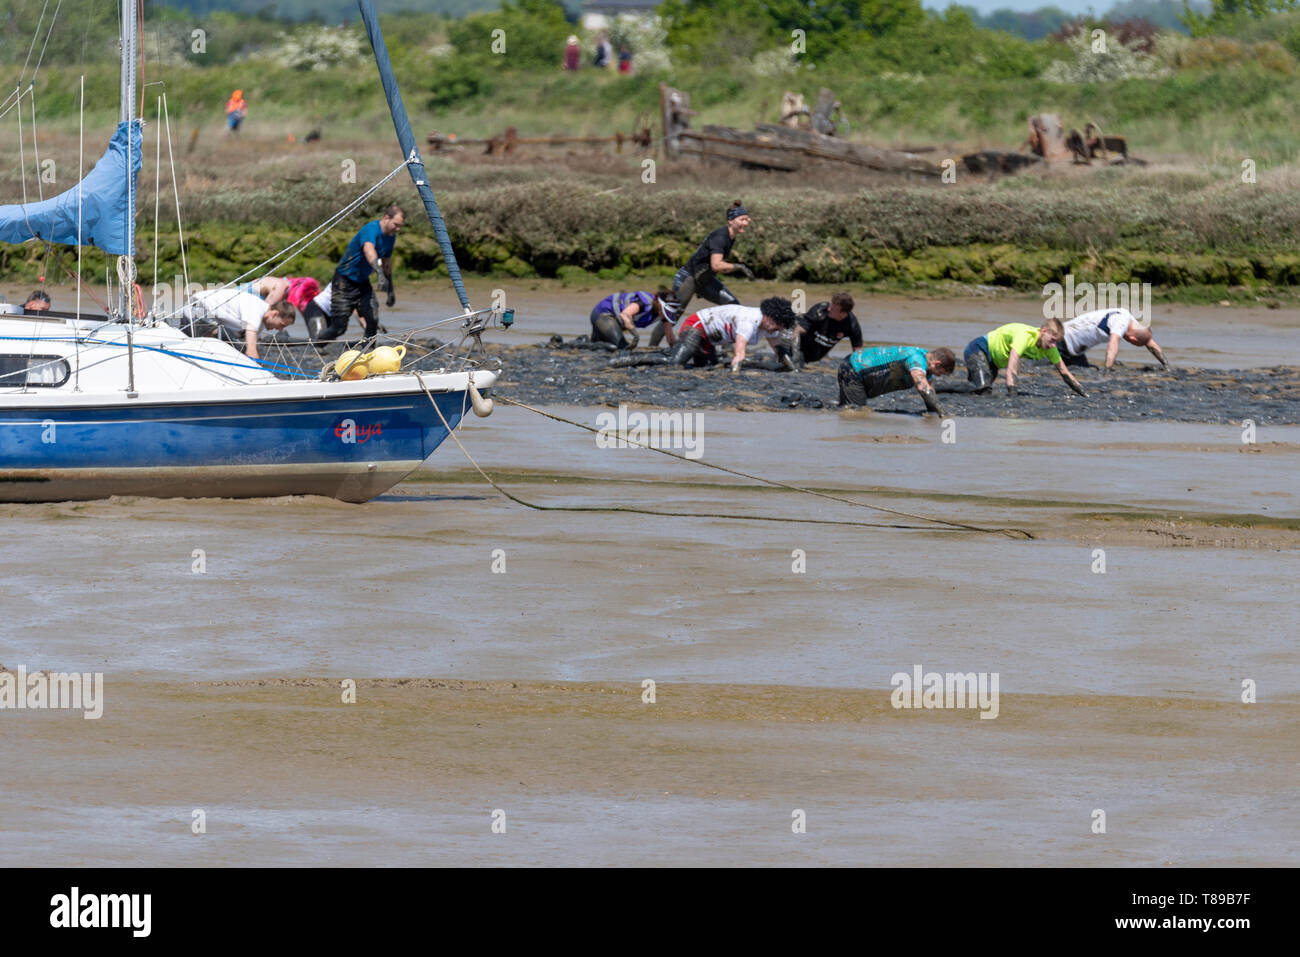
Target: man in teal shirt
[(370, 250), (1004, 347), (873, 371)]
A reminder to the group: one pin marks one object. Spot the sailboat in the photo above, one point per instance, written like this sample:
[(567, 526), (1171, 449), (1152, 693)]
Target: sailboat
[(93, 406)]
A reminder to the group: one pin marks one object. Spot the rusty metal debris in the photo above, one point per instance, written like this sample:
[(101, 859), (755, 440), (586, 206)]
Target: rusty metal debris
[(509, 141)]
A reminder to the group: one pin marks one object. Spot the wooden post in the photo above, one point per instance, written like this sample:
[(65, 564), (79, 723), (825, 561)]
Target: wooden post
[(675, 111)]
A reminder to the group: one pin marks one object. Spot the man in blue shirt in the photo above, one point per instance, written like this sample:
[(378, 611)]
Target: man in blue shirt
[(876, 370), (369, 251)]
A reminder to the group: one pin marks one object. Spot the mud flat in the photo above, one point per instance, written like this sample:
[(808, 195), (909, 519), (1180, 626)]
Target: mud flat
[(1133, 393), (521, 689), (586, 773), (577, 374), (1229, 364)]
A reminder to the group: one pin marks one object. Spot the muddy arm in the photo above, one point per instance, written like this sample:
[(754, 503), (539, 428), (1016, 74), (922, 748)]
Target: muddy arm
[(1013, 366), (927, 393), (1112, 350), (739, 356), (1070, 380)]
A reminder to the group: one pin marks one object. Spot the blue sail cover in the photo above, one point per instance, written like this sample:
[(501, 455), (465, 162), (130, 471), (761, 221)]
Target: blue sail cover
[(105, 209), (415, 165)]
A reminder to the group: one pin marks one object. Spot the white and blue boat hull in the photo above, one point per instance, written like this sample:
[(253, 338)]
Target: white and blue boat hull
[(196, 428)]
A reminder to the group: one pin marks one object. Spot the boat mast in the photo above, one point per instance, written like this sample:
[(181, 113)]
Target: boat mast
[(406, 138), (126, 263)]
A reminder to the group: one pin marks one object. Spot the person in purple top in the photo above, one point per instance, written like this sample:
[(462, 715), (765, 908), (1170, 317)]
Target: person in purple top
[(617, 318)]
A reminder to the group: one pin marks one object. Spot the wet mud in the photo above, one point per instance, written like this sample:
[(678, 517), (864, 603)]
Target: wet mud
[(573, 372)]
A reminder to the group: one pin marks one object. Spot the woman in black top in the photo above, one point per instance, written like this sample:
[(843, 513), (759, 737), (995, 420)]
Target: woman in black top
[(699, 277)]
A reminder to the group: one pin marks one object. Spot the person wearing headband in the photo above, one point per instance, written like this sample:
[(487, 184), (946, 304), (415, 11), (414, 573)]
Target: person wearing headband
[(699, 277)]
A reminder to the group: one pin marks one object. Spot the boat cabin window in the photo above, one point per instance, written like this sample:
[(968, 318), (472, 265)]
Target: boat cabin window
[(43, 371)]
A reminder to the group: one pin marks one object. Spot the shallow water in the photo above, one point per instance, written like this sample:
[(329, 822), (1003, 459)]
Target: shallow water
[(298, 586)]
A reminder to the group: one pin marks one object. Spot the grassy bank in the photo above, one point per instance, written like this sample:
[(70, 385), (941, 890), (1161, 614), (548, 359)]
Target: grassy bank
[(592, 215)]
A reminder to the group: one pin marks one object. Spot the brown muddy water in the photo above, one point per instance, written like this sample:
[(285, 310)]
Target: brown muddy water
[(520, 690)]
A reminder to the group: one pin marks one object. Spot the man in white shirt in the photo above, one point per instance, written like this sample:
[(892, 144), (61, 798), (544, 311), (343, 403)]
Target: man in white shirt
[(241, 314), (741, 326), (1108, 326)]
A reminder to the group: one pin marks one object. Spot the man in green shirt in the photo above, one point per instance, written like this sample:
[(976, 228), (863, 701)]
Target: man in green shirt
[(1004, 347)]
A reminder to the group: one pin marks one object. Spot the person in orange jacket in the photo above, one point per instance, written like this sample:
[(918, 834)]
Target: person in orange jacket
[(236, 110)]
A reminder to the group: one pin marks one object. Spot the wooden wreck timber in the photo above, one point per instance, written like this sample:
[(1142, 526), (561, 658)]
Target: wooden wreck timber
[(510, 140), (775, 146), (770, 146)]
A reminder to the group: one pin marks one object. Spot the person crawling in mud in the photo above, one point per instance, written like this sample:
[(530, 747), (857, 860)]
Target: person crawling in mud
[(823, 326), (1108, 326), (1004, 347), (699, 277), (239, 315), (741, 326), (617, 318), (867, 373)]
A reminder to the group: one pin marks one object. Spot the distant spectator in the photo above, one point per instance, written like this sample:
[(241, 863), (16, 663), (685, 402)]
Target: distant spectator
[(604, 52), (624, 59), (39, 301), (572, 53), (236, 110)]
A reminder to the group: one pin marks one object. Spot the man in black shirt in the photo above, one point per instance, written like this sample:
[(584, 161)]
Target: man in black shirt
[(824, 325), (699, 277)]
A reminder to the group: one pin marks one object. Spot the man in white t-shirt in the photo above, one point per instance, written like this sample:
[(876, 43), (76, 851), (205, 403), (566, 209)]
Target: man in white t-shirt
[(740, 326), (241, 314), (1108, 326)]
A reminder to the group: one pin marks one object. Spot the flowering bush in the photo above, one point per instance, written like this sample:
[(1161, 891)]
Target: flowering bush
[(778, 62), (645, 37), (1101, 60), (318, 48)]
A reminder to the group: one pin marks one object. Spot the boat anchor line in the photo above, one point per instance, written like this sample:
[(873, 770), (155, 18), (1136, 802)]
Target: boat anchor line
[(942, 524)]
